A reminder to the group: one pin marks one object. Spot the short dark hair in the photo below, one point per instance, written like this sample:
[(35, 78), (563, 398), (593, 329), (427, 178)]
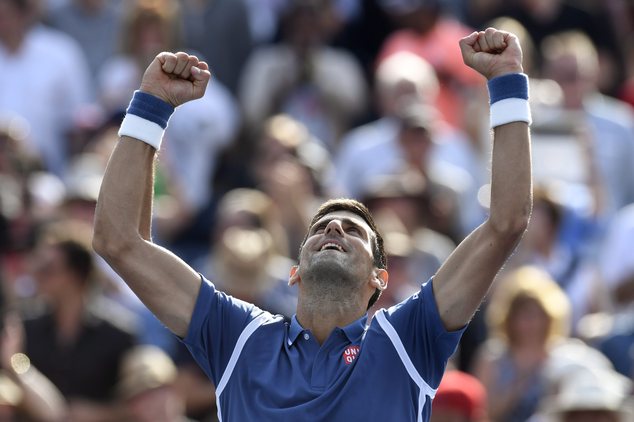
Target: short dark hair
[(77, 258), (356, 207), (73, 239)]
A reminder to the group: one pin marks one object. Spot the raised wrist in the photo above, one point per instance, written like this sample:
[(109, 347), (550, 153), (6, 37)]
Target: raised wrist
[(505, 71)]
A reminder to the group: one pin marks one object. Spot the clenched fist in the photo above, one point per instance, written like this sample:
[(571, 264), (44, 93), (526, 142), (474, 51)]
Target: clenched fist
[(176, 78), (492, 53)]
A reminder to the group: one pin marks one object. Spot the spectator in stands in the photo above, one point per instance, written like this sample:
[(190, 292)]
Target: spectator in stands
[(79, 340), (590, 395), (149, 27), (249, 254), (572, 61), (208, 25), (61, 89), (429, 33), (543, 247), (543, 18), (94, 24), (401, 79), (320, 86), (147, 386), (527, 315), (617, 269), (198, 132), (290, 166), (24, 391), (460, 398)]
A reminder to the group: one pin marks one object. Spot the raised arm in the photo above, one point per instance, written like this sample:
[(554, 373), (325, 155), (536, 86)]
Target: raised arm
[(463, 280), (165, 284)]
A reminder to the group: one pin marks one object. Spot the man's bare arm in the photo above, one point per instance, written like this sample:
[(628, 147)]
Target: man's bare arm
[(464, 279), (165, 284)]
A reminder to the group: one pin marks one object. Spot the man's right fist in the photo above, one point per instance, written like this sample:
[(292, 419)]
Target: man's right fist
[(492, 53), (176, 78)]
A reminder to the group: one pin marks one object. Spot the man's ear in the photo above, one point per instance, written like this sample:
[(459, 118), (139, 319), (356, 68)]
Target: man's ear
[(380, 279), (294, 275)]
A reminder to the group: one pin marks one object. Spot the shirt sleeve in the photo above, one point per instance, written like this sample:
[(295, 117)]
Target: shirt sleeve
[(427, 342), (217, 322)]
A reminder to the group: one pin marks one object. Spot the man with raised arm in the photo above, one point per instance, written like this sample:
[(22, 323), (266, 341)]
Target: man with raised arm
[(329, 363)]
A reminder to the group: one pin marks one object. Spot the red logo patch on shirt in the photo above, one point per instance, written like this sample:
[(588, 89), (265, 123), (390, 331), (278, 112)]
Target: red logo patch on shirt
[(350, 354)]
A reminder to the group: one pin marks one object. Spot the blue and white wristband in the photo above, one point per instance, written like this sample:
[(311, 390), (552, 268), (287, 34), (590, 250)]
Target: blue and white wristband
[(146, 119), (509, 99)]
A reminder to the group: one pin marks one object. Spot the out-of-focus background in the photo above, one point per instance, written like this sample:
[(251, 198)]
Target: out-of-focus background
[(314, 99)]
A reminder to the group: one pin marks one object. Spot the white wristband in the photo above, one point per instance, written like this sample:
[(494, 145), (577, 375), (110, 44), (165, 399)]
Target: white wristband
[(146, 119), (510, 110), (509, 99), (142, 129)]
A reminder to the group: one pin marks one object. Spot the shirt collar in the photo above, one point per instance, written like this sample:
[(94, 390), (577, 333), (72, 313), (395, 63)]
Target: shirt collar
[(294, 330), (353, 331), (356, 329)]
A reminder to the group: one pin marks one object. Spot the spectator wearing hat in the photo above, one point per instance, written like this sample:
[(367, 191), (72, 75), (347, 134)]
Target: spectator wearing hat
[(460, 398), (146, 386), (590, 395)]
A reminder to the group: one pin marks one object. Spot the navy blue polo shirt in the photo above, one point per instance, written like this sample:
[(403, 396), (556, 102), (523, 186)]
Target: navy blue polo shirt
[(267, 369)]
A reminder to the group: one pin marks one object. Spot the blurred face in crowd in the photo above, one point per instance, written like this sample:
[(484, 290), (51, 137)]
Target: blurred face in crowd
[(527, 322), (307, 23), (150, 38), (14, 18), (243, 244), (542, 230), (416, 143), (52, 273), (565, 70)]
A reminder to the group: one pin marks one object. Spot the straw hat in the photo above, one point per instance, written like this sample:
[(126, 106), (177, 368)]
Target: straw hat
[(145, 368)]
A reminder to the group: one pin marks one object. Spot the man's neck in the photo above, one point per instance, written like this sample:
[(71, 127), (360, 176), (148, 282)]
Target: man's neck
[(321, 317)]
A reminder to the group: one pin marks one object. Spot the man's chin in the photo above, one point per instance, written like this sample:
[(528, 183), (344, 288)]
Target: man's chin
[(329, 268)]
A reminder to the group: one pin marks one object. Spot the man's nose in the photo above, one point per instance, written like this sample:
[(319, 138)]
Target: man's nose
[(334, 225)]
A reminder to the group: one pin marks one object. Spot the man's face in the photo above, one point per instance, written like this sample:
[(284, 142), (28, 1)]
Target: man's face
[(339, 246)]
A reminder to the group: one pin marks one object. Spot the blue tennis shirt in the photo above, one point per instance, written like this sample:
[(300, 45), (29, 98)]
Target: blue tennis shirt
[(267, 369)]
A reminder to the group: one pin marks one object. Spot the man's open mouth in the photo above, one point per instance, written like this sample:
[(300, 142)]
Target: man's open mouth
[(331, 246)]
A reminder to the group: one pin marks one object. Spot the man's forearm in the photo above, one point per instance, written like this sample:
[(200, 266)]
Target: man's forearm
[(511, 186), (124, 206)]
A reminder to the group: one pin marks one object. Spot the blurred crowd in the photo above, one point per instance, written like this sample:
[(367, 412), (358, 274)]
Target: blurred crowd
[(312, 99)]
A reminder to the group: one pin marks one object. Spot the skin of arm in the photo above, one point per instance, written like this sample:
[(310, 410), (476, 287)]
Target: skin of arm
[(464, 279), (165, 284)]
